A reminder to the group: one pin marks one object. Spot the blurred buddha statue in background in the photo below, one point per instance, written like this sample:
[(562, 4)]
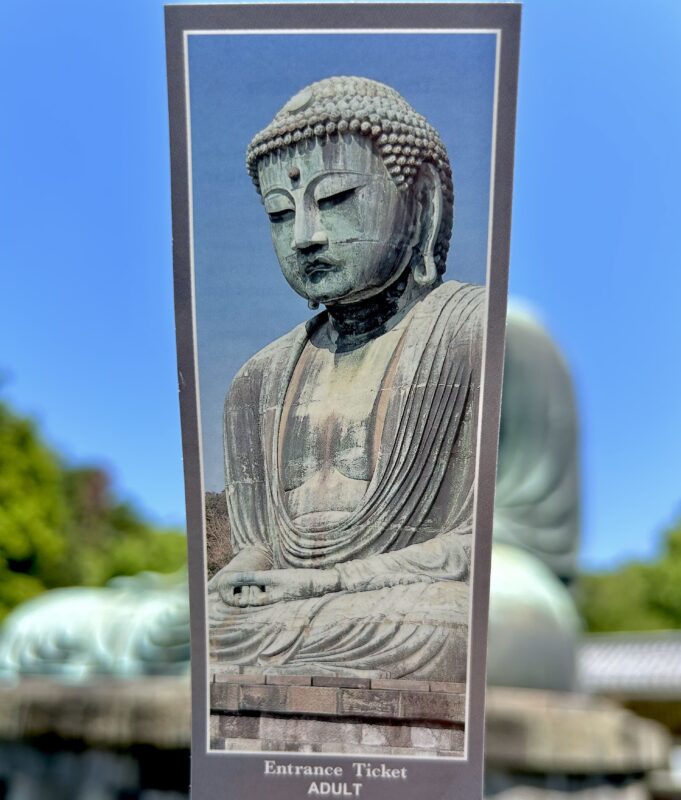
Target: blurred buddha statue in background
[(534, 625), (133, 626), (140, 625), (350, 443)]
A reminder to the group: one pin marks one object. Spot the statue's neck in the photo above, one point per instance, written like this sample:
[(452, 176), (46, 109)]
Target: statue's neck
[(353, 324)]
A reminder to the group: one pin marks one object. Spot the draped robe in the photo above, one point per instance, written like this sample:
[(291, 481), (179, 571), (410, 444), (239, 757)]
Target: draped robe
[(404, 553)]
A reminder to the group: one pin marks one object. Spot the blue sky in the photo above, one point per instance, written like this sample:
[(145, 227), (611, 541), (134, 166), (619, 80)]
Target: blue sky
[(86, 304)]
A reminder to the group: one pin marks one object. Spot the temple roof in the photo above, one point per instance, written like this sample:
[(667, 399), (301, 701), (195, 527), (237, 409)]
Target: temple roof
[(636, 665)]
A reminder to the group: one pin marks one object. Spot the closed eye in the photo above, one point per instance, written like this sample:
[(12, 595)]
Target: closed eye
[(284, 215), (336, 199)]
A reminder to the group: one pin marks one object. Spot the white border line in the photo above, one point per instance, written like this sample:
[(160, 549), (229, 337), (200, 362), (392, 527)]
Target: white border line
[(192, 270), (327, 31), (483, 373), (497, 32)]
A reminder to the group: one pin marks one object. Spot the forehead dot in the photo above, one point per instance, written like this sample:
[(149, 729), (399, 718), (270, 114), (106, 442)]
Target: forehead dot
[(294, 173)]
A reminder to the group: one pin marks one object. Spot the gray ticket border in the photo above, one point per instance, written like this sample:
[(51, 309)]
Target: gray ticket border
[(218, 775)]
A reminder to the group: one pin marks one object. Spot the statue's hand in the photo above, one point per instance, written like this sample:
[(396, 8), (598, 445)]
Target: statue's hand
[(261, 588), (248, 559)]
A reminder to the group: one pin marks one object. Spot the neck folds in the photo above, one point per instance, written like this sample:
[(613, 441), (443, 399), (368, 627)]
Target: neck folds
[(353, 324)]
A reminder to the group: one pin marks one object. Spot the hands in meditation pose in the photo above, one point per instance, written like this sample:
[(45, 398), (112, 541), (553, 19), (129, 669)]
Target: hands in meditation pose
[(350, 441)]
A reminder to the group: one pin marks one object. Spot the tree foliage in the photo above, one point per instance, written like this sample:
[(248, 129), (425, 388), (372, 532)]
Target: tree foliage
[(61, 526), (637, 596), (218, 544)]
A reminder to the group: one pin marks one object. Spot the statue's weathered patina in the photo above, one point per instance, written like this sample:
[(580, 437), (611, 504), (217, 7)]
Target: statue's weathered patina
[(350, 442)]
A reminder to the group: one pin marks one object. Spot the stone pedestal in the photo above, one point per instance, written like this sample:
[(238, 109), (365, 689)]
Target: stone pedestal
[(104, 739), (543, 745), (113, 739), (321, 714)]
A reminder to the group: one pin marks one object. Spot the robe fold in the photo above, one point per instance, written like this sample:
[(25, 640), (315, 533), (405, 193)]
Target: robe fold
[(403, 554)]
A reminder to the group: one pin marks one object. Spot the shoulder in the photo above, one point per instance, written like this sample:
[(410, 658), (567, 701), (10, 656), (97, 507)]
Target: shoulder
[(467, 298), (464, 305)]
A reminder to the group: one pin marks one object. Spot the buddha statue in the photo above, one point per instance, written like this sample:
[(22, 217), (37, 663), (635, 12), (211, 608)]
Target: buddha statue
[(140, 625), (350, 442), (132, 626), (534, 625)]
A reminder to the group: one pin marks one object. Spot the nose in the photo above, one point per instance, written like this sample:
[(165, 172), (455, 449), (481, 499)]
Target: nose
[(307, 232)]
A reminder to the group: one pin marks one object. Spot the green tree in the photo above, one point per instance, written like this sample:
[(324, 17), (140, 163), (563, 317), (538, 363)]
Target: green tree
[(636, 596), (105, 537), (33, 511), (61, 526)]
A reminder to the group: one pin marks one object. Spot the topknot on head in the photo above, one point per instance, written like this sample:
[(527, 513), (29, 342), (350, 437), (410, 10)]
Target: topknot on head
[(364, 107)]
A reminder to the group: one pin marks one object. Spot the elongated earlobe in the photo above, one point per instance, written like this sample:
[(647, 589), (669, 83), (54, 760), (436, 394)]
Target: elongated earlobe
[(429, 191)]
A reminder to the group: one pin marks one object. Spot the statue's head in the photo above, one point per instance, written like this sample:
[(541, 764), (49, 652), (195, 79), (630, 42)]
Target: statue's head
[(358, 189)]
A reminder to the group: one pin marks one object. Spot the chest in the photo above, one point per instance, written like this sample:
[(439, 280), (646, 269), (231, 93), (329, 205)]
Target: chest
[(334, 409)]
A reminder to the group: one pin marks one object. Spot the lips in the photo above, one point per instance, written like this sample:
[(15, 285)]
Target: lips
[(318, 267)]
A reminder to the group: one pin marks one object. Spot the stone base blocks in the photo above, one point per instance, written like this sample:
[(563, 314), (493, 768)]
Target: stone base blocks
[(335, 714)]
